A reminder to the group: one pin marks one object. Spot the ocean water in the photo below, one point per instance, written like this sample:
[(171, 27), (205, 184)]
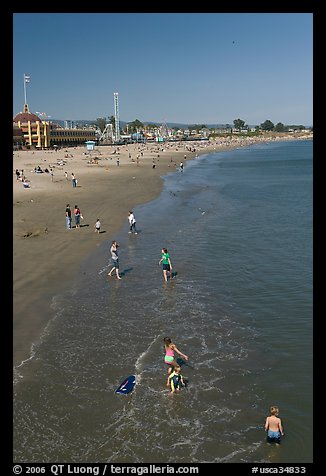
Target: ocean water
[(238, 226)]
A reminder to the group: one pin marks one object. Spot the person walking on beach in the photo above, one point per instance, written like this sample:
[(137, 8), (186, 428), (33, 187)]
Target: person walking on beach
[(68, 217), (166, 263), (273, 426), (181, 167), (169, 359), (73, 180), (97, 226), (115, 259), (78, 216), (132, 223)]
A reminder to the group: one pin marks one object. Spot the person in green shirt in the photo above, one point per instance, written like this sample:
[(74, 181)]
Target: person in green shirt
[(166, 263)]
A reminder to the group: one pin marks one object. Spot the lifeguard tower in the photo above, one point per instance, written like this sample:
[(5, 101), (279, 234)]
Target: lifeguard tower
[(90, 144)]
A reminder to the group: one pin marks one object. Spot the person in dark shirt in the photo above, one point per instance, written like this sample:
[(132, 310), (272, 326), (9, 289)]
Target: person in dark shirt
[(68, 217)]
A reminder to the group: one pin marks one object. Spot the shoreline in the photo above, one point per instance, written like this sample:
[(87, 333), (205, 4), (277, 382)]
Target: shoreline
[(46, 255)]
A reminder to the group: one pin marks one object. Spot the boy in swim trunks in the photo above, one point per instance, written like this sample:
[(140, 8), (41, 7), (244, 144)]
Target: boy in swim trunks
[(273, 426)]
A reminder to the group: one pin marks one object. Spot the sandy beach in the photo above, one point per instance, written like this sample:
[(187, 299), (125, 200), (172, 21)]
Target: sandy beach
[(47, 255)]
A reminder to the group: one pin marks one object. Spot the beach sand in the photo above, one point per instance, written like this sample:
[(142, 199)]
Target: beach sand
[(47, 256)]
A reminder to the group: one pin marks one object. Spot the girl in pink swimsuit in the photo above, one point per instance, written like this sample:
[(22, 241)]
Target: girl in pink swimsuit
[(169, 356)]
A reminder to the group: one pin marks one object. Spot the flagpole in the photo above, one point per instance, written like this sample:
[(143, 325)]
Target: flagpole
[(25, 89)]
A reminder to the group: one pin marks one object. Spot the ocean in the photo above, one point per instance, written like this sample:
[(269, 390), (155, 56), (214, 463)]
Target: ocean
[(238, 227)]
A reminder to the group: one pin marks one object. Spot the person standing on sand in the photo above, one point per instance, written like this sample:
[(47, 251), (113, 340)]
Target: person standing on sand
[(97, 226), (166, 263), (115, 259), (78, 215), (73, 180), (68, 217), (273, 426)]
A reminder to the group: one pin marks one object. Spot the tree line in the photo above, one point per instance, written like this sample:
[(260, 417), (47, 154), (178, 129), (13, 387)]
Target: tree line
[(238, 124), (267, 126)]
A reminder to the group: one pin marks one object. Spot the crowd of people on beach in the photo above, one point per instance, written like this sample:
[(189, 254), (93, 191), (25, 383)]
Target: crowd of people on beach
[(150, 149)]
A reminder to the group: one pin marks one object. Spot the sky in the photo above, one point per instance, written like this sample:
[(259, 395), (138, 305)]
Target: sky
[(191, 68)]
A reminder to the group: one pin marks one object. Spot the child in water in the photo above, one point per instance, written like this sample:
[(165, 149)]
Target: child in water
[(170, 348), (167, 265), (273, 426), (175, 380)]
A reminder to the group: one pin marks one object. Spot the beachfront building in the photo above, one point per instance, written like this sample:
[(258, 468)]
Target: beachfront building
[(62, 137), (17, 137), (31, 132)]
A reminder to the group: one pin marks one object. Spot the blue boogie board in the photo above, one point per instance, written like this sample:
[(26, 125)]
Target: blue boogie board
[(127, 385)]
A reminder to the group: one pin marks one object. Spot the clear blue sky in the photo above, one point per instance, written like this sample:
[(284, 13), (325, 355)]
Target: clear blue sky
[(206, 68)]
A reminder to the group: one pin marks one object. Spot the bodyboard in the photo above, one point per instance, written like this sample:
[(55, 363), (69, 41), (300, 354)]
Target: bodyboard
[(127, 385)]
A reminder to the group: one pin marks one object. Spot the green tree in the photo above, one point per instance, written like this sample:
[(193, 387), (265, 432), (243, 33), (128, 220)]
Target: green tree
[(101, 122), (239, 124), (296, 127), (267, 125), (197, 127), (279, 127), (111, 120), (135, 126)]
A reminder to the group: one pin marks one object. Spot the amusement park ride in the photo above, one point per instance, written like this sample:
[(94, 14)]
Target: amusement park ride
[(43, 115), (111, 133), (108, 135)]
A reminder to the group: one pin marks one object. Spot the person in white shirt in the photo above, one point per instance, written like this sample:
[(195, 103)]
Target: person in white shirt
[(132, 223), (97, 226)]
